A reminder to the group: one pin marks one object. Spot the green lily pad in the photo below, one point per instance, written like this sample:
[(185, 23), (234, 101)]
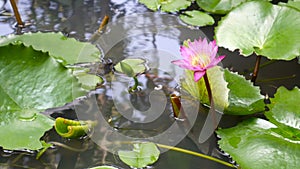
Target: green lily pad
[(284, 108), (244, 97), (31, 81), (166, 5), (257, 144), (104, 167), (219, 6), (143, 154), (87, 81), (197, 18), (268, 30), (131, 67), (232, 93), (67, 50), (293, 4)]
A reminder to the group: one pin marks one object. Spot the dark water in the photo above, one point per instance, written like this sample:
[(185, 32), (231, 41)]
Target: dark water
[(133, 33)]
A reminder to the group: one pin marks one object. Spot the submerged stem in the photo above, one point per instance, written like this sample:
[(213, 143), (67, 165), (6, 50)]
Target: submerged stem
[(196, 154), (186, 152), (256, 68)]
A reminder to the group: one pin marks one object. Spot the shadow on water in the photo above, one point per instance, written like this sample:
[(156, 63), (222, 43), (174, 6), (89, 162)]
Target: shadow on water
[(155, 38)]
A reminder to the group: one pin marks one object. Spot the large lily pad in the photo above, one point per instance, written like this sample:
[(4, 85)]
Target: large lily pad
[(197, 18), (293, 4), (260, 27), (233, 94), (284, 108), (244, 97), (30, 82), (67, 50), (219, 6), (166, 5), (257, 144)]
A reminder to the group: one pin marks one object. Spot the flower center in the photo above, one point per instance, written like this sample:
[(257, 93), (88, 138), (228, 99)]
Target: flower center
[(195, 61), (200, 60)]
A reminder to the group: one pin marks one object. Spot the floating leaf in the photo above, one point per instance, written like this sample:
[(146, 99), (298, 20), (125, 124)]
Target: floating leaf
[(197, 18), (293, 4), (166, 5), (143, 154), (104, 167), (67, 50), (257, 144), (219, 6), (244, 98), (30, 82), (268, 30), (131, 67), (284, 108), (87, 81), (227, 92)]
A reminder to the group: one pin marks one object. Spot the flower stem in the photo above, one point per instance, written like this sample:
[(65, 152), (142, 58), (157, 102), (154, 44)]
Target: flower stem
[(256, 68), (196, 154), (17, 14), (211, 100), (136, 83)]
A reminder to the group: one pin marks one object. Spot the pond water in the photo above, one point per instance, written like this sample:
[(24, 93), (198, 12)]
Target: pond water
[(133, 33)]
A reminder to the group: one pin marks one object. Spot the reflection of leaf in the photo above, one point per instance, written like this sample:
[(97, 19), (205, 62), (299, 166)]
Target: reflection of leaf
[(31, 81), (129, 65), (143, 154), (220, 6), (68, 50), (232, 93), (197, 18), (284, 108), (269, 30), (166, 5), (257, 144)]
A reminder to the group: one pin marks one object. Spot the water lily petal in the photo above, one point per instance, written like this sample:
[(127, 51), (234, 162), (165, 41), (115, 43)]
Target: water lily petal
[(198, 56), (215, 61), (182, 63), (198, 75), (186, 53)]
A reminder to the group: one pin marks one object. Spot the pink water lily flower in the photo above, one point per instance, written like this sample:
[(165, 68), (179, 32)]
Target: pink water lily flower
[(198, 56)]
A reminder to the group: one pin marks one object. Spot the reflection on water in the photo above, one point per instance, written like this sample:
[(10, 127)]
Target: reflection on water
[(77, 18)]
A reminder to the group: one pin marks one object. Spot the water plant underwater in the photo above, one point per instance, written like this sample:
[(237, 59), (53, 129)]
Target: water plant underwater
[(267, 142)]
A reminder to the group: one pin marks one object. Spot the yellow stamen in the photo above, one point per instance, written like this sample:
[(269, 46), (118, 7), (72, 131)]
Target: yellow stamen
[(195, 61), (200, 60)]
